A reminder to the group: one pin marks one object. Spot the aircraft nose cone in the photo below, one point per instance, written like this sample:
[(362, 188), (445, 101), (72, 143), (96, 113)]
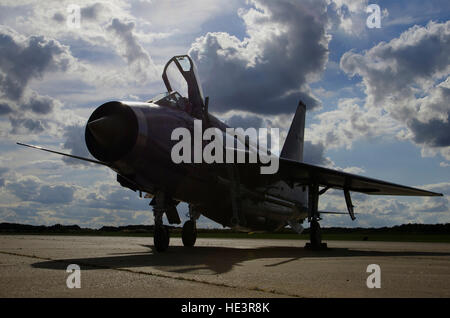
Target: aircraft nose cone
[(102, 128), (106, 130), (111, 131)]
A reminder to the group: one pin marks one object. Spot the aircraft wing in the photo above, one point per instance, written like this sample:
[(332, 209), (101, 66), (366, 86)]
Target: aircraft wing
[(304, 173)]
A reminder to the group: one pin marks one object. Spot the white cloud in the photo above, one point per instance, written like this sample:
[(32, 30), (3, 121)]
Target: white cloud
[(350, 15), (129, 48), (350, 122), (22, 60), (268, 71), (407, 90)]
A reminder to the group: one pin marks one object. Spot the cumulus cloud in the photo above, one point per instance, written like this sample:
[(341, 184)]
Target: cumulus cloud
[(245, 121), (407, 85), (438, 205), (268, 71), (350, 121), (109, 196), (3, 171), (33, 189), (349, 15), (23, 59), (92, 12), (55, 194), (22, 125), (404, 76), (431, 123), (130, 49), (405, 66), (108, 33), (315, 154), (89, 13), (29, 199), (75, 142)]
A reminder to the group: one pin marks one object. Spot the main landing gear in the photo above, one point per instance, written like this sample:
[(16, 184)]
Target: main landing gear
[(315, 235), (161, 236)]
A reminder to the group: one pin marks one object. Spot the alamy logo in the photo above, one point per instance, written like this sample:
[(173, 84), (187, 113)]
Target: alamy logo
[(74, 16), (222, 146), (374, 19), (374, 279), (74, 279)]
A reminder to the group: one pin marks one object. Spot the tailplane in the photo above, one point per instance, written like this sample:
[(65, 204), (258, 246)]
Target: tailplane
[(293, 146)]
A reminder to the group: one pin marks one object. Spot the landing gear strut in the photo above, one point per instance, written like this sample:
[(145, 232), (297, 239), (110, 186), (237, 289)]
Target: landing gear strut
[(161, 237), (315, 235)]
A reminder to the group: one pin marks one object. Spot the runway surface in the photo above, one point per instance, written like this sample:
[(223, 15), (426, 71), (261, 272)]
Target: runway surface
[(35, 266)]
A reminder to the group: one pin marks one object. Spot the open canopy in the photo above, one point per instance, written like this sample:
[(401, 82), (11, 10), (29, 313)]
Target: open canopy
[(180, 75)]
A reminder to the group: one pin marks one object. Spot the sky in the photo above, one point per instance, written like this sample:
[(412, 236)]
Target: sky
[(378, 99)]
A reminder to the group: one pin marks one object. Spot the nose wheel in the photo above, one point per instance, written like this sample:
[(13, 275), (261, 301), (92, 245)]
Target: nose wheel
[(189, 233), (161, 238)]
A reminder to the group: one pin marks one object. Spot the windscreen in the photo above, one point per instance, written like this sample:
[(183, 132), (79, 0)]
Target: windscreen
[(176, 79), (184, 63)]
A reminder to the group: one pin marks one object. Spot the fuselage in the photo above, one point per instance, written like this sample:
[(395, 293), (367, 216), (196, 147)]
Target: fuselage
[(135, 139)]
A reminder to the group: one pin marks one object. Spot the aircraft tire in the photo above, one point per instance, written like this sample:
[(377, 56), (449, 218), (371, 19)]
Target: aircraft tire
[(315, 235), (189, 234), (161, 238)]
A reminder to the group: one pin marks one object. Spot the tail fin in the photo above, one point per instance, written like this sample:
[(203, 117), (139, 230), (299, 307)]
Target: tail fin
[(293, 146)]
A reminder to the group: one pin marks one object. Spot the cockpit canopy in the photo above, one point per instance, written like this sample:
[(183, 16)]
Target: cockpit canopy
[(183, 88)]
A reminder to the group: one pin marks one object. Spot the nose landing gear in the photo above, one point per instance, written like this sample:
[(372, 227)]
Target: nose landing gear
[(189, 233), (161, 236)]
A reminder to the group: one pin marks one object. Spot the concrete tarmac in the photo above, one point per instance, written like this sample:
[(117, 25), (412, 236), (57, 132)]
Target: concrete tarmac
[(35, 266)]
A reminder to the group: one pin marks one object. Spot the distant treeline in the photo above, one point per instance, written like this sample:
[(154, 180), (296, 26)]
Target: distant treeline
[(75, 229)]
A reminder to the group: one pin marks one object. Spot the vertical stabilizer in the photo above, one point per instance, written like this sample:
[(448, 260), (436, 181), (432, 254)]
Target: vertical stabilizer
[(293, 146)]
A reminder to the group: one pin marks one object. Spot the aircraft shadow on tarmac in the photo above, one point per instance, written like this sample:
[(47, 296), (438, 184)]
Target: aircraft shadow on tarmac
[(214, 260)]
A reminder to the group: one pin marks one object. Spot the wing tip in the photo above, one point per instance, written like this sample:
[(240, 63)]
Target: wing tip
[(435, 194)]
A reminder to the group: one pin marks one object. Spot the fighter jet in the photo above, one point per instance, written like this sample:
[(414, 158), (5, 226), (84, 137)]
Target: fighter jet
[(134, 139)]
